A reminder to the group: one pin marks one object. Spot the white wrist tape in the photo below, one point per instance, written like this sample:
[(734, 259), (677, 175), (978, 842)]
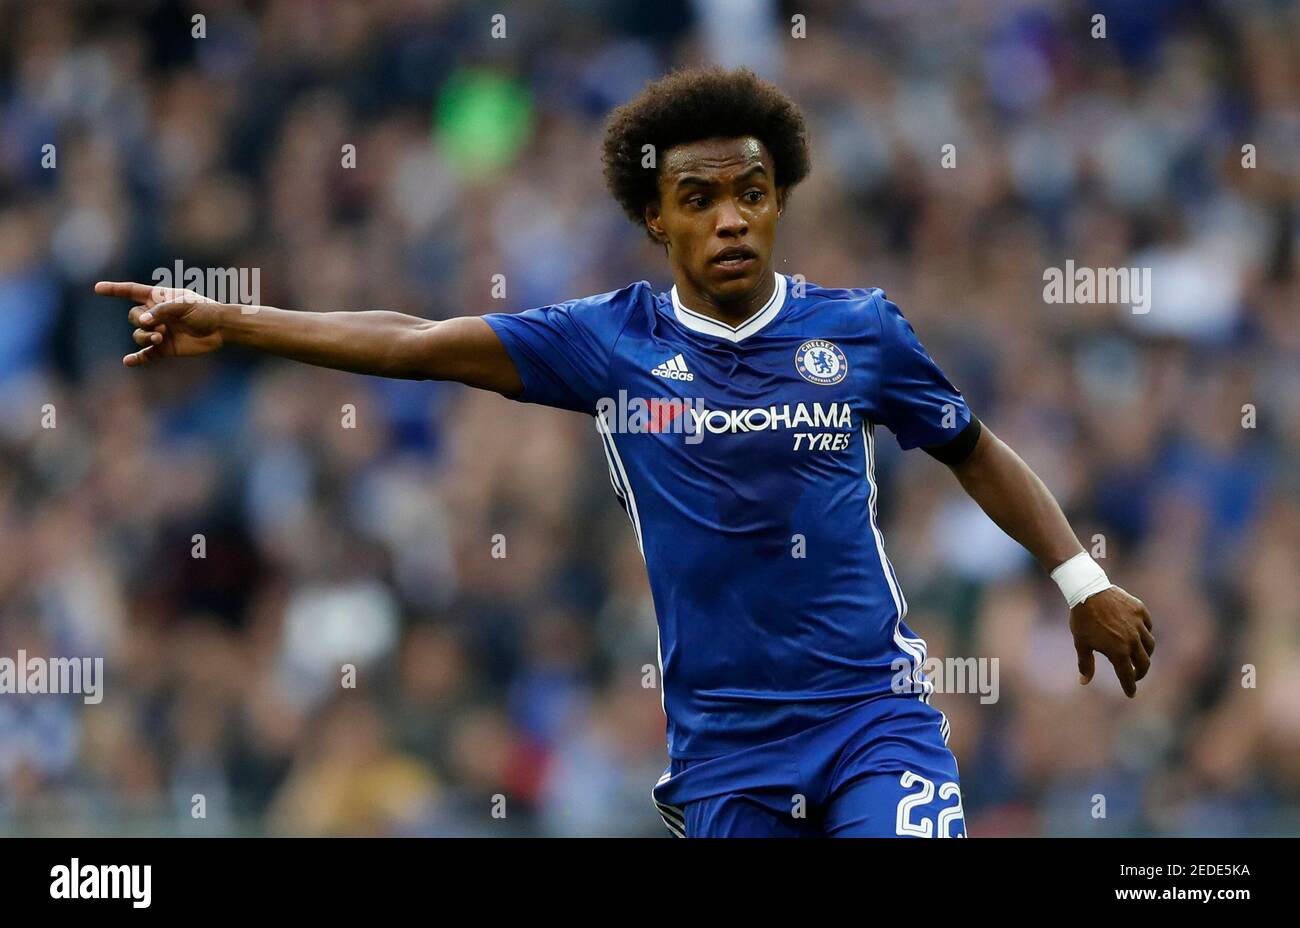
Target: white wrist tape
[(1079, 578)]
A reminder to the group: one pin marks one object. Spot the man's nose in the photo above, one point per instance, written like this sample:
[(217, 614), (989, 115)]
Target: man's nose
[(730, 219)]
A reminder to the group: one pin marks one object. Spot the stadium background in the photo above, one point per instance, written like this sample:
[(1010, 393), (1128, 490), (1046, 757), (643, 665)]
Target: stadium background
[(478, 156)]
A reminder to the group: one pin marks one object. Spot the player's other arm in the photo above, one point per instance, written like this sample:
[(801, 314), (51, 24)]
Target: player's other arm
[(1108, 619), (180, 323)]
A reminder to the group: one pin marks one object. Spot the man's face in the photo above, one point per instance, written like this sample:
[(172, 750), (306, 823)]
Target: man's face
[(717, 212)]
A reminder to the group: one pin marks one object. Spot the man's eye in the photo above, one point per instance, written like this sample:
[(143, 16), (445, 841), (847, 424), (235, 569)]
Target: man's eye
[(700, 202), (754, 196)]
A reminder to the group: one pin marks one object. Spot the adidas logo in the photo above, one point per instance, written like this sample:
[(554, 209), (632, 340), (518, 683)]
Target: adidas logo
[(674, 369)]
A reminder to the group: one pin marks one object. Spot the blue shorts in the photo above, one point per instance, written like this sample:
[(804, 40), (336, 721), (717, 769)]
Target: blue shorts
[(879, 769)]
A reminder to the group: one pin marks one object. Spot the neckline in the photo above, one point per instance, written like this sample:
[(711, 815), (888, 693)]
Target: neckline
[(698, 322)]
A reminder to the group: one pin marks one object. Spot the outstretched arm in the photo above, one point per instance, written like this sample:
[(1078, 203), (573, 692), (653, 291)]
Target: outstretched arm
[(1108, 619), (180, 323)]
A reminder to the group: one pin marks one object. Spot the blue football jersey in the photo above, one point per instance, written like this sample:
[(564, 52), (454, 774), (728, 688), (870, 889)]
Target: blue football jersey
[(744, 457)]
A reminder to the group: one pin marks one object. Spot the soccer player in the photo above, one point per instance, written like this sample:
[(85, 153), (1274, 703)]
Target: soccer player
[(746, 468)]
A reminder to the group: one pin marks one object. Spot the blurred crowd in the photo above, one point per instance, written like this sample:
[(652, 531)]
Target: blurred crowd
[(350, 654)]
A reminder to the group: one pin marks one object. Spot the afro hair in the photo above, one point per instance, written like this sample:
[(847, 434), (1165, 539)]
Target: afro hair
[(693, 104)]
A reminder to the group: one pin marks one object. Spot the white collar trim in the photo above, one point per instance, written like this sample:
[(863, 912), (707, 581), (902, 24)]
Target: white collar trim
[(697, 322)]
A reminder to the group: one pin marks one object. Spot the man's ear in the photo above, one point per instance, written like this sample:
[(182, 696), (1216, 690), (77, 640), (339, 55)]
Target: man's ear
[(780, 200), (654, 223)]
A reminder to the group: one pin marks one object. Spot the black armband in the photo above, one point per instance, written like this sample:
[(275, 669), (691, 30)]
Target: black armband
[(958, 450)]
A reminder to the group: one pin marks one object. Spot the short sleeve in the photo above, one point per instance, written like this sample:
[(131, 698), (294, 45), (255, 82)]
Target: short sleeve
[(917, 402), (562, 352)]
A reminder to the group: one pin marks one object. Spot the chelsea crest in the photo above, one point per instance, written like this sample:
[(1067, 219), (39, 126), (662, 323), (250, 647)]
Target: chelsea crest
[(821, 362)]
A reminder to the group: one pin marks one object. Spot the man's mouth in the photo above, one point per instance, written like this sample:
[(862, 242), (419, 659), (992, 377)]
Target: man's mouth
[(738, 258)]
